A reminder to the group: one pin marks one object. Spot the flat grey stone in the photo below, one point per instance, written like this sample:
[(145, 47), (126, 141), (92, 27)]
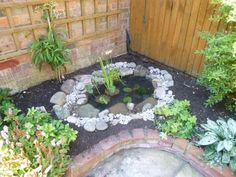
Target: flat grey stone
[(140, 162), (140, 71), (104, 113), (68, 86), (80, 86), (150, 100), (58, 98), (119, 108), (131, 65), (90, 125), (157, 82), (87, 111), (86, 79), (72, 119), (101, 125), (61, 112)]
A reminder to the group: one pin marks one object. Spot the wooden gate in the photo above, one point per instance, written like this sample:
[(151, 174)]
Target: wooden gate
[(168, 31)]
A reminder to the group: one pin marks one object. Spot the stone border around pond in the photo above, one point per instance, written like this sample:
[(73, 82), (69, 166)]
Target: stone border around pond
[(73, 94), (144, 138)]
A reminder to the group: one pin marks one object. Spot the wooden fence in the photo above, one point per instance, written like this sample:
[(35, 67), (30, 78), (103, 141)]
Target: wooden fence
[(20, 22), (168, 31)]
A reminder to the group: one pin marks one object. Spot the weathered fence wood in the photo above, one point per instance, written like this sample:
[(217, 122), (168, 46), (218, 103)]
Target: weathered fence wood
[(168, 31)]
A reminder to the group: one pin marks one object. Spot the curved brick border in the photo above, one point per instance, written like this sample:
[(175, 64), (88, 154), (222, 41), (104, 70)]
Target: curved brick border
[(147, 138)]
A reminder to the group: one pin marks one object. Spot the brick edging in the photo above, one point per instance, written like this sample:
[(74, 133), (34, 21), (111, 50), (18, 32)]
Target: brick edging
[(147, 138)]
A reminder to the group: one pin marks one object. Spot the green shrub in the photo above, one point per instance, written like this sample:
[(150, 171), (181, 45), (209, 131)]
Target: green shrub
[(177, 121), (219, 141), (33, 144), (219, 73)]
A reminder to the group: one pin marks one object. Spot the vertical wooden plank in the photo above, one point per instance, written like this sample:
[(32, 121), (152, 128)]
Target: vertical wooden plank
[(68, 15), (165, 31), (95, 11), (189, 35), (196, 38), (159, 29), (183, 32), (11, 23), (82, 13), (30, 9), (173, 48)]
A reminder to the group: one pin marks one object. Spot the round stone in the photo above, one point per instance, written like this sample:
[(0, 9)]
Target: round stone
[(130, 106), (101, 125), (68, 86), (90, 125)]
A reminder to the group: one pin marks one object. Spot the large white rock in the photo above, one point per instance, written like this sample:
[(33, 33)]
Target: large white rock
[(101, 125), (90, 125)]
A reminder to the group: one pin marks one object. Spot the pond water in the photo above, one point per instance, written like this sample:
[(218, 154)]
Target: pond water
[(134, 87)]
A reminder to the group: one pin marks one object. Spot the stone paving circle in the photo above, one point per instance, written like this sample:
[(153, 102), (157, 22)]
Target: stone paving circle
[(71, 103)]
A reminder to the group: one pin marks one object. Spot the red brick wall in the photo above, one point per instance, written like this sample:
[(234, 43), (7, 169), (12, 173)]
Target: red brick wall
[(19, 73)]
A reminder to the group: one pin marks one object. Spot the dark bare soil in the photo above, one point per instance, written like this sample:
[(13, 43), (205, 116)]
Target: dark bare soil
[(185, 88)]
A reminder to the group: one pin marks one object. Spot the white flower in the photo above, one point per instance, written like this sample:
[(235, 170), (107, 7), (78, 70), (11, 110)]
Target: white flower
[(4, 135), (53, 142), (108, 52), (5, 128), (28, 125)]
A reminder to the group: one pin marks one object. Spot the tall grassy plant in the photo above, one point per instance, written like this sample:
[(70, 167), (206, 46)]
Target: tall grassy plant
[(50, 49)]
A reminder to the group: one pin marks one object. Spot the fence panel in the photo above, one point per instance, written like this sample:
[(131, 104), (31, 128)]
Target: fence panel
[(21, 23), (168, 31)]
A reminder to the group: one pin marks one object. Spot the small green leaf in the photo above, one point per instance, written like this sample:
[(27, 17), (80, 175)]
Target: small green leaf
[(233, 152)]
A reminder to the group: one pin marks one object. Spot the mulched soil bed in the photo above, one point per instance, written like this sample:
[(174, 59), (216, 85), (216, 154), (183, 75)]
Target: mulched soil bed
[(185, 87)]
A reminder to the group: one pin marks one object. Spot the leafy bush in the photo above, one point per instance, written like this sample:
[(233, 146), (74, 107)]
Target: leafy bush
[(127, 99), (220, 54), (220, 68), (219, 141), (178, 121), (33, 144)]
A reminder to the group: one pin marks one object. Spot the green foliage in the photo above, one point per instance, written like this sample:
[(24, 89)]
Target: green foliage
[(33, 144), (127, 90), (89, 88), (5, 95), (103, 99), (219, 73), (140, 89), (178, 120), (219, 141), (226, 11), (110, 76), (50, 49), (127, 99)]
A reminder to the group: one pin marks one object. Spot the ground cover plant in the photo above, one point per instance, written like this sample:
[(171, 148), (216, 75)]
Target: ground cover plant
[(50, 49), (219, 73), (32, 144), (219, 141), (177, 120)]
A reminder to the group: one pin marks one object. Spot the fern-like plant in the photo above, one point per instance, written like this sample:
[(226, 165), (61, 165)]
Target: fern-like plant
[(50, 49)]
